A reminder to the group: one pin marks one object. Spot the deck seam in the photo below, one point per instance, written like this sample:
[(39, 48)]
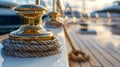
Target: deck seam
[(91, 52), (112, 48), (73, 44), (79, 47), (100, 53), (101, 65), (107, 51)]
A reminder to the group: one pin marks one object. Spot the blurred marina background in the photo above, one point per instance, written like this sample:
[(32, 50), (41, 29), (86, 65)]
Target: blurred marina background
[(88, 5), (99, 12)]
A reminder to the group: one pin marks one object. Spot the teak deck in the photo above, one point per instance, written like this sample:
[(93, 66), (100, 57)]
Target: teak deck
[(104, 50)]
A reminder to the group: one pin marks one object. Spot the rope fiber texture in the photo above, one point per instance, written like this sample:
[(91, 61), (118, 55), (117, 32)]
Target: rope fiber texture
[(35, 48)]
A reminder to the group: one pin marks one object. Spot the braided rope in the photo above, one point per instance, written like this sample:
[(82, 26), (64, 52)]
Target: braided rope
[(28, 54), (35, 48), (13, 44)]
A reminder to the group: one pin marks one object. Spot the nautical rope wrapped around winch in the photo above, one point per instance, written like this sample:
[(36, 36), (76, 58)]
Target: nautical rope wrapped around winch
[(31, 39), (34, 48)]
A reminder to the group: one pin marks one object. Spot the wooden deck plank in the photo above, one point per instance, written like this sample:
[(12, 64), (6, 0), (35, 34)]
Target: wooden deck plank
[(96, 54), (105, 53), (93, 61), (73, 40), (107, 56), (114, 48), (76, 47), (106, 47), (71, 63), (100, 57), (83, 64)]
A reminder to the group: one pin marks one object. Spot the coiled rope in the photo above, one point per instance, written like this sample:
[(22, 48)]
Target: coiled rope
[(34, 48)]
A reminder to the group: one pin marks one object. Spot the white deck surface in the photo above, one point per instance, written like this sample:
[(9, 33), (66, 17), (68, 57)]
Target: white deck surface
[(60, 60)]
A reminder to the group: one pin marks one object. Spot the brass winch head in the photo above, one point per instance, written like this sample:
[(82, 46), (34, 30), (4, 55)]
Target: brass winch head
[(55, 19), (31, 39), (33, 29), (54, 15)]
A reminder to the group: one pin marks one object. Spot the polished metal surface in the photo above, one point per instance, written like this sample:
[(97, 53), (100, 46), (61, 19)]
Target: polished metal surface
[(32, 29), (55, 20), (54, 16)]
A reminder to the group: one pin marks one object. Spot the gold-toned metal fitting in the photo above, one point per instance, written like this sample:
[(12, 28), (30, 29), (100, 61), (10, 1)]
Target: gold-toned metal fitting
[(30, 9), (54, 14), (31, 38), (55, 20), (31, 30)]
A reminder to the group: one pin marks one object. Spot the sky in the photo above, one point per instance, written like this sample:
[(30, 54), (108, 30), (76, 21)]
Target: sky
[(90, 5)]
